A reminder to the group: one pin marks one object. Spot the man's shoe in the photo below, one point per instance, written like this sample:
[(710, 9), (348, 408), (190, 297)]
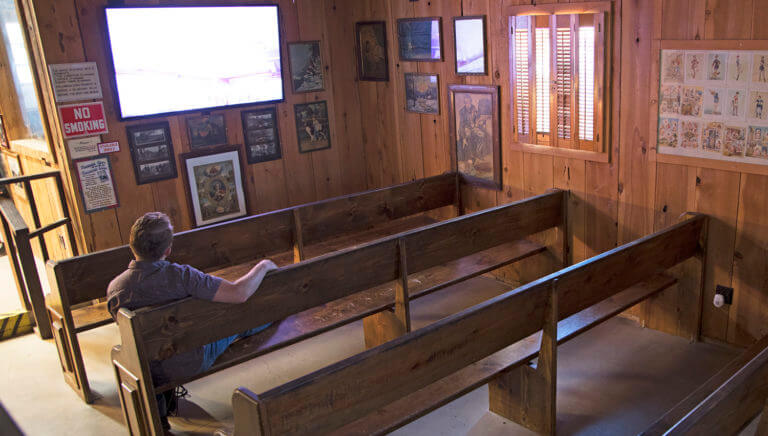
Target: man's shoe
[(165, 423)]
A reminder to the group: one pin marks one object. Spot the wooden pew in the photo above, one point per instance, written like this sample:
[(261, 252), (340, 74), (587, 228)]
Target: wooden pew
[(726, 403), (287, 235), (326, 292), (385, 387)]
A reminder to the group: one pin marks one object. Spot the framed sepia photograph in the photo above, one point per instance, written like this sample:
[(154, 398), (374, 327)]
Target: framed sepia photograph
[(262, 141), (475, 134), (215, 185), (372, 61), (420, 39), (470, 44), (206, 131), (306, 66), (152, 152), (422, 93), (312, 127), (4, 141)]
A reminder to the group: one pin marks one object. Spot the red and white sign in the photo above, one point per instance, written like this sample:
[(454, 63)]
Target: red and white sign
[(109, 147), (83, 119)]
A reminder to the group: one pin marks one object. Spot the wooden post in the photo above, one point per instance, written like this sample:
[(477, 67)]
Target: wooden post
[(32, 279), (387, 325), (36, 218), (10, 248), (298, 238), (65, 213), (527, 395)]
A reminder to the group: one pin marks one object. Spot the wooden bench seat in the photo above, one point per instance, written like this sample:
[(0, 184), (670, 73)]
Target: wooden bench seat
[(90, 317)]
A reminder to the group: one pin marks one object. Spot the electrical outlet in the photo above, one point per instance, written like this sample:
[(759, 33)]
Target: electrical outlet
[(726, 292)]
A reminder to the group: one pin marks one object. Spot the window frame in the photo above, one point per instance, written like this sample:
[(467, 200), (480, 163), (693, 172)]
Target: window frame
[(550, 15)]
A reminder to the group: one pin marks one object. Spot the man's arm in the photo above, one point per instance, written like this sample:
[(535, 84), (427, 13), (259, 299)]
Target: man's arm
[(241, 289)]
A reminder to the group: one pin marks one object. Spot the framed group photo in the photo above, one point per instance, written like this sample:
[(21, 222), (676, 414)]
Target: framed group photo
[(262, 139), (372, 60), (152, 152), (420, 39), (475, 133), (207, 130), (312, 127), (306, 66), (215, 185)]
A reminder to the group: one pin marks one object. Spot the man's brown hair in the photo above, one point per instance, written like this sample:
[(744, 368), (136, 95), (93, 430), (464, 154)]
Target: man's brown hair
[(151, 235)]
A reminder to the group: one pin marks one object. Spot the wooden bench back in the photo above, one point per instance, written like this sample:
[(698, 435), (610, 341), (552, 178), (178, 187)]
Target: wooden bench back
[(85, 278), (346, 391), (191, 323)]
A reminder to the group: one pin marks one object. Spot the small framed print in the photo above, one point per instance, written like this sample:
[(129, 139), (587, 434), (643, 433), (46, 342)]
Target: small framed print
[(152, 152), (475, 138), (312, 127), (420, 39), (97, 184), (4, 141), (215, 185), (262, 139), (306, 66), (372, 61), (12, 164), (470, 44), (422, 93), (206, 131)]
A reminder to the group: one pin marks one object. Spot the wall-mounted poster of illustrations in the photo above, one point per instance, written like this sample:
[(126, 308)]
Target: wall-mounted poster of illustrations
[(262, 140), (312, 127), (475, 138), (372, 63), (215, 184), (206, 131), (712, 104), (152, 152), (306, 66)]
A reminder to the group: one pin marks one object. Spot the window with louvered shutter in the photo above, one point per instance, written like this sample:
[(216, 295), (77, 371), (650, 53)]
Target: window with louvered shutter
[(522, 84), (564, 82)]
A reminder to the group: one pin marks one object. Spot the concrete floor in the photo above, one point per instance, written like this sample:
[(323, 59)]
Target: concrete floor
[(613, 380)]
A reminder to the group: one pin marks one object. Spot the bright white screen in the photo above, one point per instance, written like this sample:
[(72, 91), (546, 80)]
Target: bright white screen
[(186, 58)]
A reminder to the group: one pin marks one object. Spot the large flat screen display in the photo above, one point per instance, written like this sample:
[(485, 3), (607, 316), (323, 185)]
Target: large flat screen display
[(176, 59)]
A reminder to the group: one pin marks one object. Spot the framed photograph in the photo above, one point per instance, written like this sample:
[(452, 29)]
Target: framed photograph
[(422, 93), (306, 66), (262, 140), (12, 164), (97, 184), (312, 128), (206, 131), (372, 60), (420, 39), (215, 185), (152, 152), (475, 134), (4, 141), (470, 44)]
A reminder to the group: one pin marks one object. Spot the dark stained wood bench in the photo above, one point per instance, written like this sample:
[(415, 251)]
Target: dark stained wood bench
[(390, 385), (374, 281), (287, 236)]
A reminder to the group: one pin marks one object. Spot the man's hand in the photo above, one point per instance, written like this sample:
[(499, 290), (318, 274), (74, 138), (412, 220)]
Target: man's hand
[(241, 289)]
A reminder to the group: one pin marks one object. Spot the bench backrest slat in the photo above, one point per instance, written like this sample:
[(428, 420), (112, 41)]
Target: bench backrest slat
[(191, 323), (340, 393), (84, 278)]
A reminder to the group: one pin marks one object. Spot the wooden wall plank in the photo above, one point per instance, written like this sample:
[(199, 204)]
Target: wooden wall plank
[(570, 174), (728, 19)]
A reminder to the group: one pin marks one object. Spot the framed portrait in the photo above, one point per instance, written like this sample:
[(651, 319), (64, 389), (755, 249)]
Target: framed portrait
[(152, 152), (420, 39), (422, 93), (12, 164), (312, 127), (215, 185), (372, 60), (306, 66), (470, 44), (4, 141), (262, 140), (206, 131), (475, 134)]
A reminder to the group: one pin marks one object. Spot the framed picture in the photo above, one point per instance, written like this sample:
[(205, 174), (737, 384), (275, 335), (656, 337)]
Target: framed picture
[(306, 66), (372, 60), (312, 128), (4, 141), (475, 138), (215, 185), (420, 39), (97, 184), (152, 152), (12, 164), (206, 131), (262, 140), (422, 93), (470, 44)]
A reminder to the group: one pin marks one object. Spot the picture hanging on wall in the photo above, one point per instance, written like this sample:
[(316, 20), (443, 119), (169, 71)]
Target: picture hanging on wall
[(475, 137), (13, 169), (97, 183), (152, 152), (4, 141), (306, 66), (372, 61), (470, 44), (420, 39), (206, 131), (312, 126), (262, 140), (215, 185), (422, 93), (712, 105)]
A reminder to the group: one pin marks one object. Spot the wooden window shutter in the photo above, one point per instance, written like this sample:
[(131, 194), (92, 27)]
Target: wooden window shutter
[(520, 69)]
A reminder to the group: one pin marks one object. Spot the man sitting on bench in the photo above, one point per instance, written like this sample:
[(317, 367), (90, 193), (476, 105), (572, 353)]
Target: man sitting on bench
[(151, 280)]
